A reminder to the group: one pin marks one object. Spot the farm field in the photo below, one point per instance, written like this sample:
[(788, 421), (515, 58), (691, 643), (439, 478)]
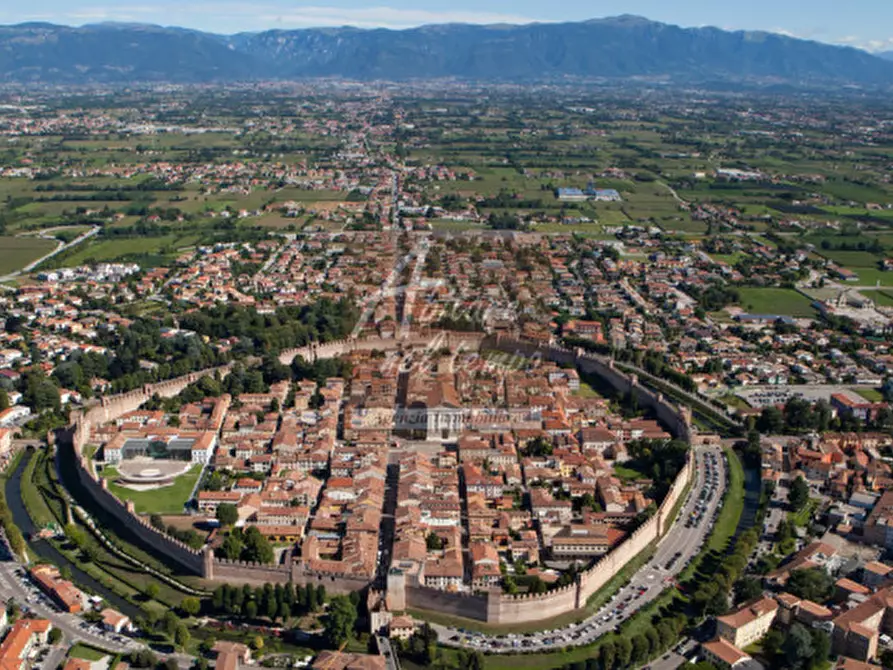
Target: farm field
[(17, 252)]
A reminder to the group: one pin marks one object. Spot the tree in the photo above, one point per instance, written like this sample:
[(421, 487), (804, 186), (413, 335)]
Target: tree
[(821, 648), (772, 642), (170, 622), (339, 621), (434, 542), (270, 607), (143, 658), (747, 588), (181, 636), (797, 647), (812, 584), (232, 546), (190, 606), (624, 651), (653, 638), (608, 655), (771, 421), (251, 609), (666, 634), (55, 636), (227, 514), (640, 649), (257, 548), (151, 590), (4, 399), (798, 496), (718, 603)]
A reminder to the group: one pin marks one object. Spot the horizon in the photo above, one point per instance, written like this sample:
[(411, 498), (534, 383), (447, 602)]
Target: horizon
[(799, 19)]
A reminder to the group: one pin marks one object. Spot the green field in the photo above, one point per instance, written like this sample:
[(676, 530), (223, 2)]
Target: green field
[(164, 500), (732, 506), (17, 252), (871, 395), (781, 301), (114, 249), (86, 653)]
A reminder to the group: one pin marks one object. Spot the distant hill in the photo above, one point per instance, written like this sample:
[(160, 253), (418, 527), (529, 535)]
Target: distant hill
[(886, 55), (615, 48)]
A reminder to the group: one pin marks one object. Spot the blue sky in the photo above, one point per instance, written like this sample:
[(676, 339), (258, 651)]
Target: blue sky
[(864, 23)]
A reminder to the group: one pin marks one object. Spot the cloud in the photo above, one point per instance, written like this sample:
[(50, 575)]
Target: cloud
[(242, 16), (873, 45)]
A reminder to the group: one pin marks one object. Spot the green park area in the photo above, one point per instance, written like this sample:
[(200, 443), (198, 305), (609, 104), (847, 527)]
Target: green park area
[(168, 499)]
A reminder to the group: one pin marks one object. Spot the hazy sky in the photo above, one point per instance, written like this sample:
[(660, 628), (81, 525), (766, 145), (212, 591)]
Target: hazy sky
[(864, 23)]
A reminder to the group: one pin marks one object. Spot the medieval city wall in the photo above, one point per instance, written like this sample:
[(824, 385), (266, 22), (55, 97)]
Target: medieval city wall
[(491, 607), (466, 605), (109, 409), (500, 608), (503, 608), (334, 349)]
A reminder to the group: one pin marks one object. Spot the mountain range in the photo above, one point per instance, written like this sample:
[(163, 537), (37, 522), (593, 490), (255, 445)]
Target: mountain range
[(615, 48)]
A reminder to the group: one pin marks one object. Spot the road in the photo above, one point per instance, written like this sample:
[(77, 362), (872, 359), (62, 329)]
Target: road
[(384, 646), (677, 548), (13, 584), (669, 661)]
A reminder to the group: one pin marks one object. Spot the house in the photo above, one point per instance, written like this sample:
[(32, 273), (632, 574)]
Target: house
[(401, 627), (115, 622), (747, 624), (230, 655), (18, 643)]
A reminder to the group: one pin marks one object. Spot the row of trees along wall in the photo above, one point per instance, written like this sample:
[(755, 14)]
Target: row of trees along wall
[(495, 607)]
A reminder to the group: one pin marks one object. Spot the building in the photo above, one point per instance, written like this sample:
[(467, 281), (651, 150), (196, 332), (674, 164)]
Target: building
[(747, 624), (337, 660), (857, 631), (578, 541), (401, 627), (12, 415), (231, 655), (21, 639), (724, 655), (115, 622), (65, 594)]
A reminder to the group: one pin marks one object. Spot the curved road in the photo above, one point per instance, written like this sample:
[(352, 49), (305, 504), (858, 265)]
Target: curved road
[(677, 548)]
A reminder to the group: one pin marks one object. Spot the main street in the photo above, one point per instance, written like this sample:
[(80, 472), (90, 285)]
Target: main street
[(676, 550)]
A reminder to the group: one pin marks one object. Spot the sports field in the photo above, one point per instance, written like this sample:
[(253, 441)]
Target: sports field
[(781, 301)]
